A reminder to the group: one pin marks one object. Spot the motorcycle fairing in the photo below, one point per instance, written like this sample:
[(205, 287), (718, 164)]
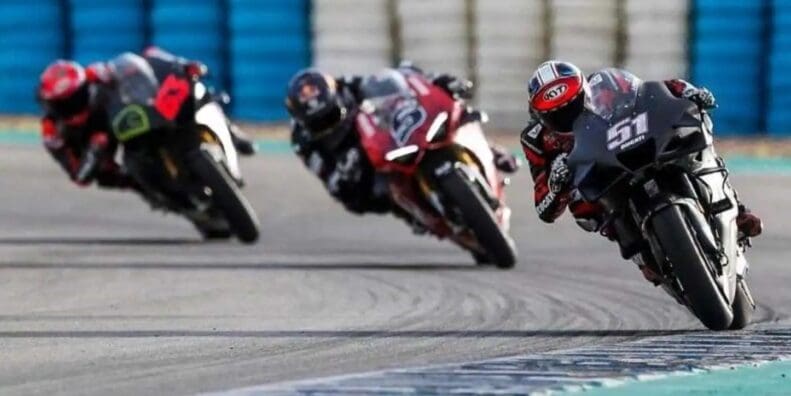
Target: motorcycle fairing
[(410, 103), (143, 105), (597, 165)]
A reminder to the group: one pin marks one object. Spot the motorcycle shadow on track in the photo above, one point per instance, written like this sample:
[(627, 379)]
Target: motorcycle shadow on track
[(121, 241)]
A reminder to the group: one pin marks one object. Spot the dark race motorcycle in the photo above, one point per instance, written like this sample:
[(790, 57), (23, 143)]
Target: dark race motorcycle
[(439, 170), (175, 141), (647, 158)]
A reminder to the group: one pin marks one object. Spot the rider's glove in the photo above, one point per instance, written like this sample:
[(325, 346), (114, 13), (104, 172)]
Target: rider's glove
[(559, 174), (702, 97), (196, 69), (454, 86)]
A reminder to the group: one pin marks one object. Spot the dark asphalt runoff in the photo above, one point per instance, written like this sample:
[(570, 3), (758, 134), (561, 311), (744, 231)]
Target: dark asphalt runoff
[(100, 295)]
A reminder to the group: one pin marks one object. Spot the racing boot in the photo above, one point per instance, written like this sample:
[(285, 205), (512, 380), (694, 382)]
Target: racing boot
[(504, 160), (244, 145), (648, 268), (749, 224)]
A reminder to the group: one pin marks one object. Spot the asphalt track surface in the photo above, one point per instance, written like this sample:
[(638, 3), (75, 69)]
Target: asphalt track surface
[(98, 294)]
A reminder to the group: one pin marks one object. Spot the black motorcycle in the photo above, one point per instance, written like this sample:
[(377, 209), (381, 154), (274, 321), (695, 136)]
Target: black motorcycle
[(647, 157), (175, 141)]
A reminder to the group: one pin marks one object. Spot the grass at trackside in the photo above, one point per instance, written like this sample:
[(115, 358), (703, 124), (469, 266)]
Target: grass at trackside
[(769, 379), (738, 163)]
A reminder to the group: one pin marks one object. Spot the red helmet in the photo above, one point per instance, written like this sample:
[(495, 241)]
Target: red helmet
[(557, 94), (63, 91)]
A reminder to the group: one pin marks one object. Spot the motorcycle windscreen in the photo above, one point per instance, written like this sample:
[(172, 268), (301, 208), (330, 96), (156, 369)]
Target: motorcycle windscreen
[(135, 79), (613, 94), (393, 105), (131, 97)]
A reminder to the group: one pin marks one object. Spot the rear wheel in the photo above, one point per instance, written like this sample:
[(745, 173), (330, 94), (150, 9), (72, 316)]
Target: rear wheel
[(691, 268), (226, 196), (742, 307), (479, 217)]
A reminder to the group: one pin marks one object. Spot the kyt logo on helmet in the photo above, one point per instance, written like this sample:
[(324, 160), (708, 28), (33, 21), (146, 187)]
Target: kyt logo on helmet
[(556, 92)]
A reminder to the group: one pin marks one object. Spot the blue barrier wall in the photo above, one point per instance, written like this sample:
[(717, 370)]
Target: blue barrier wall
[(254, 46), (192, 29), (778, 116), (727, 57), (30, 37), (269, 43), (101, 29)]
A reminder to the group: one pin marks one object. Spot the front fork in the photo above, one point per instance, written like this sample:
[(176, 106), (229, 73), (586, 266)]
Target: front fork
[(453, 159), (703, 193), (422, 200)]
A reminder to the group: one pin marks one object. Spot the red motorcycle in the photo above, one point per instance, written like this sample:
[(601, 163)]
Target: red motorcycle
[(439, 170)]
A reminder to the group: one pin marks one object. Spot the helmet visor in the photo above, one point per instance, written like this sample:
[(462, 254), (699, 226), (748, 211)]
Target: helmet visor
[(562, 119), (69, 106)]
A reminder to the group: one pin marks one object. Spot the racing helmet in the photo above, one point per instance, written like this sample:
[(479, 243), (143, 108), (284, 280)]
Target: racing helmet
[(314, 101), (557, 92), (64, 91)]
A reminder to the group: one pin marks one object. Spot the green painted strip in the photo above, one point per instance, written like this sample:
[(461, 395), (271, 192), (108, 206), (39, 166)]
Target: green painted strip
[(273, 146), (18, 136), (754, 164), (25, 137), (773, 378)]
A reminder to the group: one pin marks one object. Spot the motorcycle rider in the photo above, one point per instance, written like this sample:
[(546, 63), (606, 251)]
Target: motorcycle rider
[(323, 135), (558, 93), (75, 129)]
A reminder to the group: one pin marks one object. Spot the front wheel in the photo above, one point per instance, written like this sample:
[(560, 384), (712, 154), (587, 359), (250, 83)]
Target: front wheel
[(226, 196), (742, 307), (479, 218), (691, 268)]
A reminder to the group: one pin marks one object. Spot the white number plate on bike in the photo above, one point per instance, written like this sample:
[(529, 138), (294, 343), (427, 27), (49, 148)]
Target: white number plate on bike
[(627, 132)]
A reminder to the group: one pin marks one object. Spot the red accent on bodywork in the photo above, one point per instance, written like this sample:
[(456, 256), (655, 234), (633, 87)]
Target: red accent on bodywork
[(377, 142), (171, 96), (404, 194)]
